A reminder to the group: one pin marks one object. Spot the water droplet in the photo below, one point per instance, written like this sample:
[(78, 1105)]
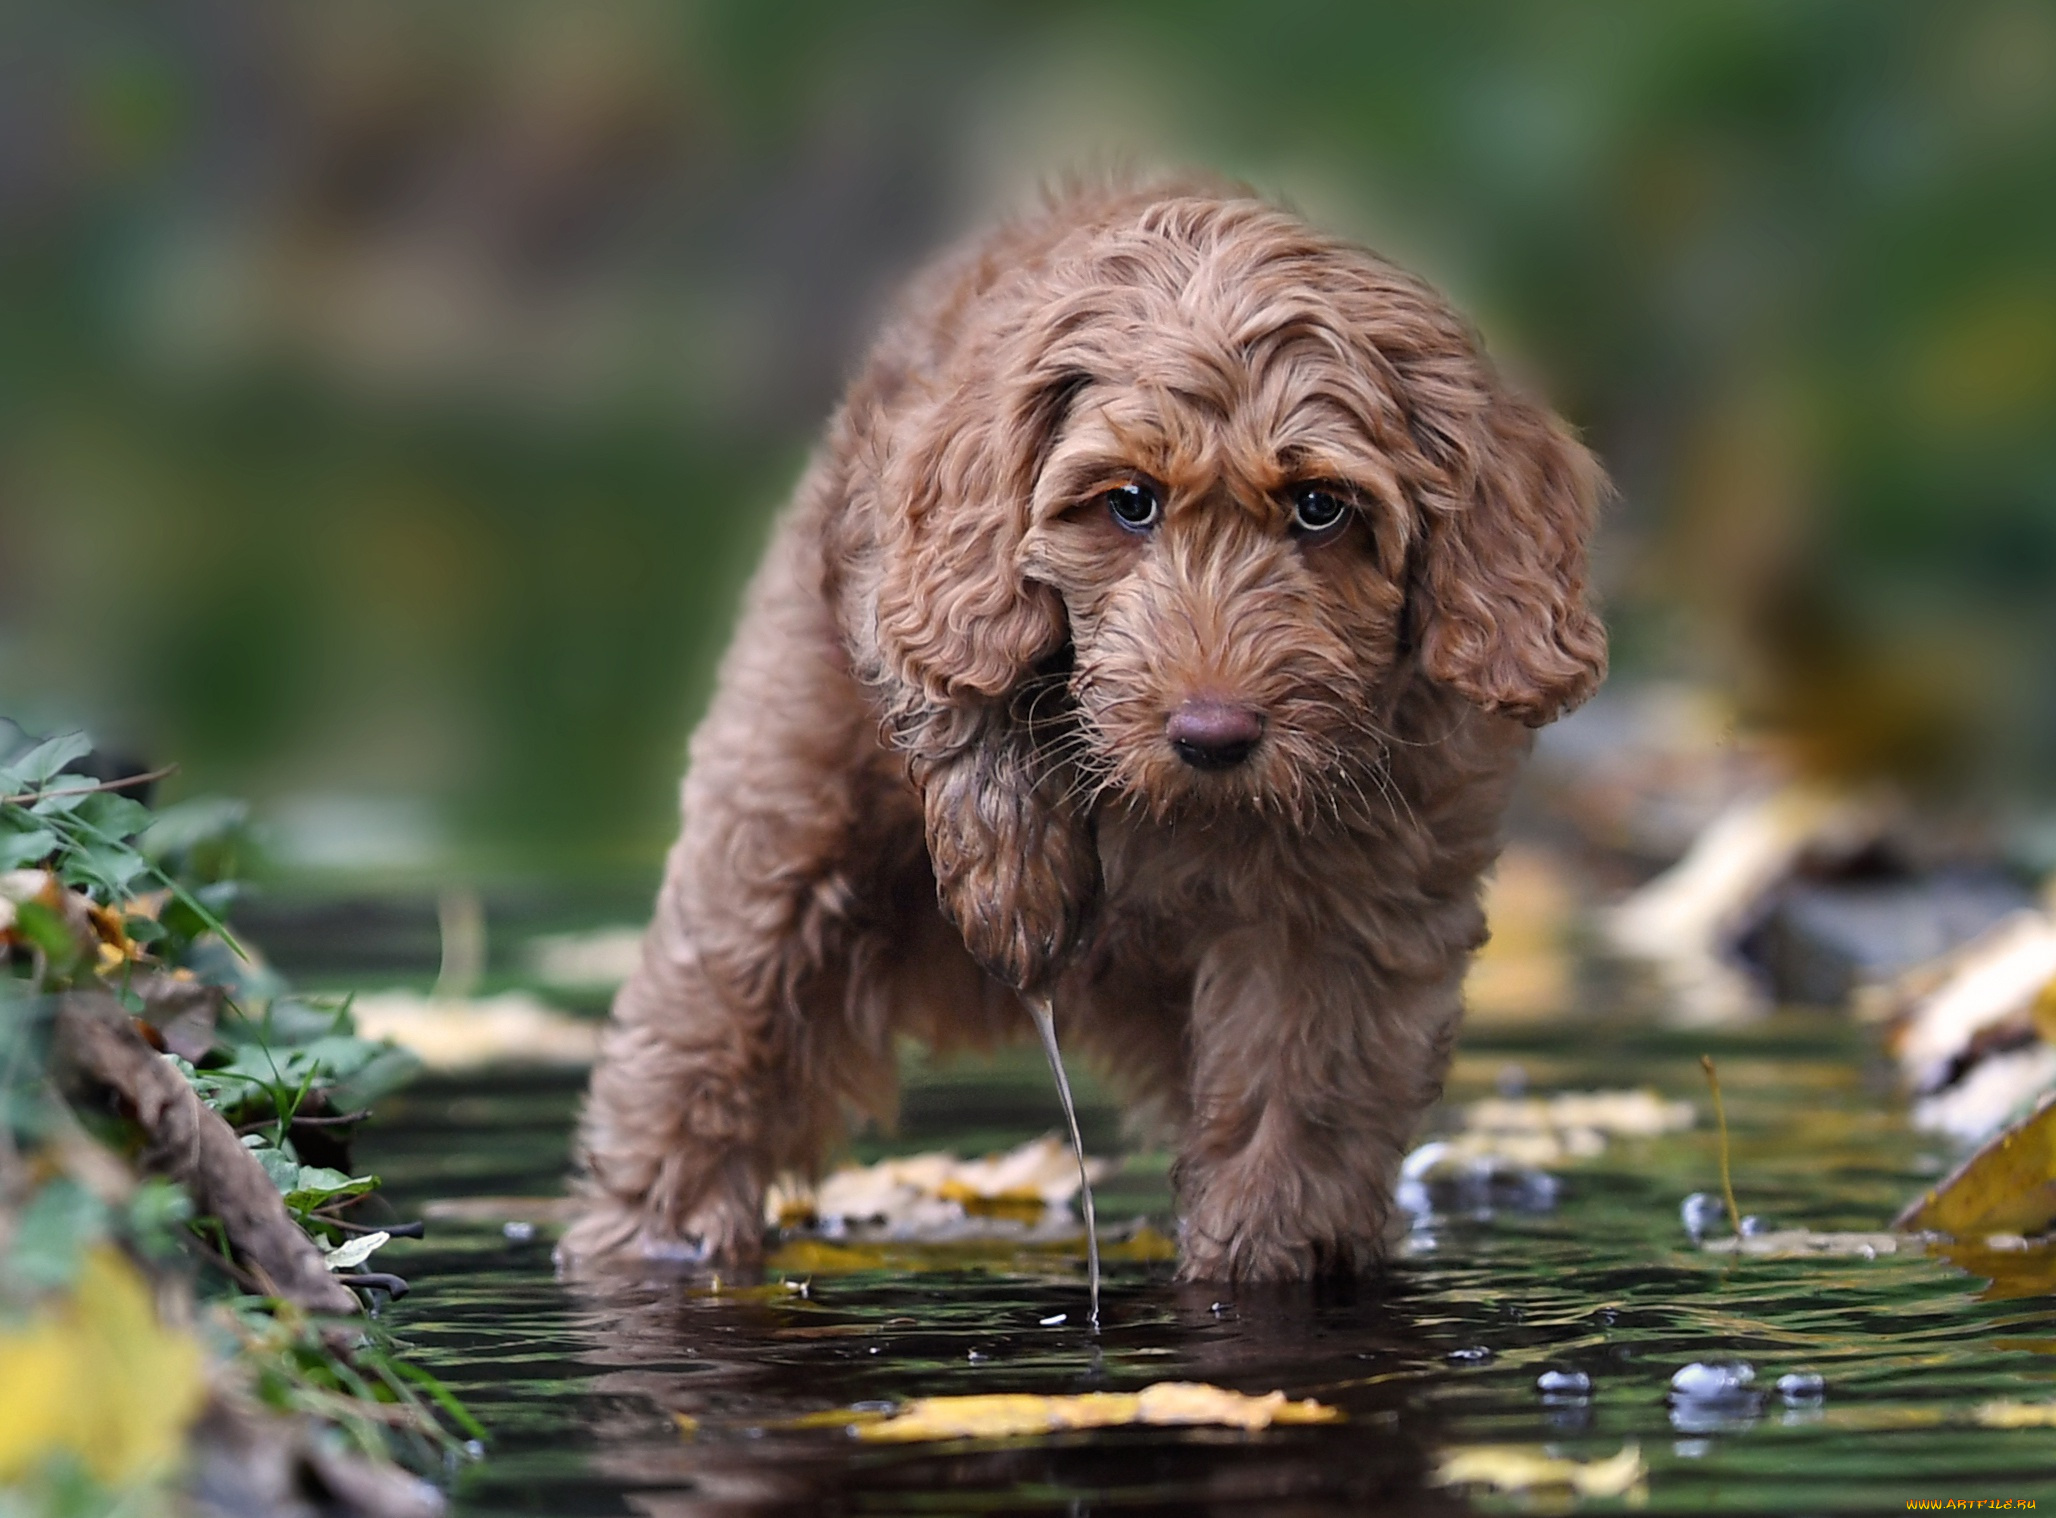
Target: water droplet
[(1053, 1319), (1564, 1383), (1719, 1381), (1474, 1354), (1701, 1211), (1753, 1225), (518, 1233), (1801, 1386)]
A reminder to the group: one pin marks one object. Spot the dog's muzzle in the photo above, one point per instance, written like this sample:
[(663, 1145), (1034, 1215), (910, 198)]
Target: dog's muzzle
[(1214, 735)]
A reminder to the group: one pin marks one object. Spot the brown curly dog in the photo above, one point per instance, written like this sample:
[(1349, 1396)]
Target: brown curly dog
[(1160, 627)]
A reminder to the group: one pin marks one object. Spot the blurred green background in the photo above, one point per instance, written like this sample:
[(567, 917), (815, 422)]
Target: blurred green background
[(393, 396)]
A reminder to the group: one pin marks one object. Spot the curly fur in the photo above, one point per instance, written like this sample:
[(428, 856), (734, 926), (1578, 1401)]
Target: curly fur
[(950, 689)]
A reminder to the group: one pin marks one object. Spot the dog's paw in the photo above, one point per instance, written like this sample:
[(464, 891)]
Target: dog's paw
[(1255, 1247), (611, 1233)]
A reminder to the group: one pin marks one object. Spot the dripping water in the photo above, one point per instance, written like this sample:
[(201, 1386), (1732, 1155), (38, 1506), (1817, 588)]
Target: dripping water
[(1046, 1024)]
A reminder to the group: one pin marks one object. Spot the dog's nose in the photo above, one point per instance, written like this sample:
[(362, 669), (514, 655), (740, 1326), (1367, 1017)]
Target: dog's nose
[(1213, 735)]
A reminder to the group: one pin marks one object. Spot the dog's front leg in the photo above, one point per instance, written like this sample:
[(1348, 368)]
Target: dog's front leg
[(1016, 863), (1310, 1074)]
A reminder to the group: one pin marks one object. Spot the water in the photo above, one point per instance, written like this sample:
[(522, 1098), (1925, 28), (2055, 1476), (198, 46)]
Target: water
[(1045, 1018), (583, 1388)]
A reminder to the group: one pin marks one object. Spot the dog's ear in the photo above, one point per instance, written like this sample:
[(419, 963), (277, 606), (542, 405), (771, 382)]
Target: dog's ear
[(1500, 606), (955, 617)]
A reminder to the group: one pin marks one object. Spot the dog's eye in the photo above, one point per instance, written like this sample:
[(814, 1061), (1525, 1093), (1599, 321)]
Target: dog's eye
[(1133, 506), (1317, 512)]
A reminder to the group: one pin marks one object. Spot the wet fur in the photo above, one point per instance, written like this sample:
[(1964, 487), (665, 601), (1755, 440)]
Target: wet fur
[(949, 689)]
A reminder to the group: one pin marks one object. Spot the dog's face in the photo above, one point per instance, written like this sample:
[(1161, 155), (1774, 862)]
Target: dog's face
[(1249, 477), (1230, 548)]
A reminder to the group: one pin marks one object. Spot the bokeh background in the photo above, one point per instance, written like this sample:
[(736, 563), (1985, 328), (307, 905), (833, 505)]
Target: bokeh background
[(394, 395)]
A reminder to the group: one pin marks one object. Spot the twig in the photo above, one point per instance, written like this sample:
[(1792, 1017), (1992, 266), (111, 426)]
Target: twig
[(27, 797), (1720, 1116), (186, 1142), (415, 1230)]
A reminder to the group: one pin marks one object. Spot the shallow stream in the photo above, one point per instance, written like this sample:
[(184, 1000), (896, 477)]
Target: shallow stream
[(671, 1399)]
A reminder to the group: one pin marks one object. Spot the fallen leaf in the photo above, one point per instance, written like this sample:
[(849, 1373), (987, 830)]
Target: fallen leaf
[(1518, 1468), (2008, 1186), (933, 1190), (1805, 1243), (1013, 1415), (96, 1375), (1638, 1113), (1686, 921), (450, 1033), (1544, 1132), (1999, 975), (351, 1253), (597, 960), (2004, 1414)]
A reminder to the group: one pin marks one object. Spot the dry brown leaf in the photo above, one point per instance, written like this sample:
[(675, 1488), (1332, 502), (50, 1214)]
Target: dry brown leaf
[(452, 1033), (1805, 1243), (936, 1189)]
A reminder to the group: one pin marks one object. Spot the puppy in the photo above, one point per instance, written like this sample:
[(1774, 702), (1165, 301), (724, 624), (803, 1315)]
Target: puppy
[(1159, 628)]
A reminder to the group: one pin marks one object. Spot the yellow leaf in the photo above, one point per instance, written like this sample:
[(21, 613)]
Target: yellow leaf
[(1517, 1468), (96, 1375), (2009, 1186), (2017, 1415), (1012, 1415)]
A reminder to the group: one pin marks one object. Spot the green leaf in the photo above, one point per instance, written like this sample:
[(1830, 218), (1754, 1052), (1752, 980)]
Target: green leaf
[(105, 869), (387, 1069), (115, 815), (283, 1169), (41, 762), (317, 1186), (18, 849)]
